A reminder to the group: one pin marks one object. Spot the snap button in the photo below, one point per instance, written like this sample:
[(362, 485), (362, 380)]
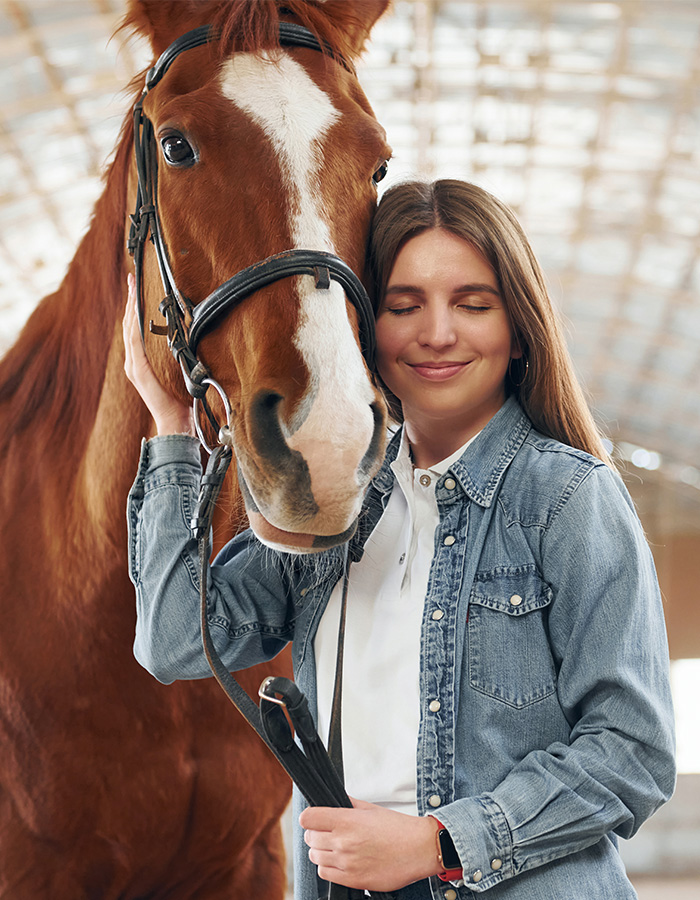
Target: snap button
[(450, 484), (496, 864), (516, 600), (402, 559), (424, 480), (435, 800), (438, 614), (449, 540), (450, 894), (477, 876), (434, 706)]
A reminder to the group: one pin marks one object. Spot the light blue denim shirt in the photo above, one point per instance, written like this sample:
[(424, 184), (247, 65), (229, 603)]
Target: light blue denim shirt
[(543, 639)]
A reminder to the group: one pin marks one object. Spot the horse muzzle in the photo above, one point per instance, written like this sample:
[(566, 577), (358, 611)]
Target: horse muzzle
[(304, 490)]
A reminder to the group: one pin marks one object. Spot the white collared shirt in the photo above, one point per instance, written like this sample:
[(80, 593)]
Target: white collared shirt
[(387, 589)]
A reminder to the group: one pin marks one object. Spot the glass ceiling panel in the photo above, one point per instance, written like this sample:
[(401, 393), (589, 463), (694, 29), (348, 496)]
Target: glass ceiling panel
[(585, 116)]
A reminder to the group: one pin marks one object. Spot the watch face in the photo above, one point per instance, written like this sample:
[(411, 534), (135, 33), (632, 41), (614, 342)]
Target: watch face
[(450, 859)]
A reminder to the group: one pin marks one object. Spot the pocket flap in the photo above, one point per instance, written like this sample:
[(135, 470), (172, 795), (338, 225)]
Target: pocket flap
[(514, 590)]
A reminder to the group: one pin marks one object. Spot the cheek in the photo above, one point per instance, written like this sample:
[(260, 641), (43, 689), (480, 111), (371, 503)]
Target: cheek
[(384, 368), (389, 340), (496, 340), (387, 351)]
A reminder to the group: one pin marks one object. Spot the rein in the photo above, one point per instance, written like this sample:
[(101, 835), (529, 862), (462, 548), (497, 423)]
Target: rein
[(316, 772)]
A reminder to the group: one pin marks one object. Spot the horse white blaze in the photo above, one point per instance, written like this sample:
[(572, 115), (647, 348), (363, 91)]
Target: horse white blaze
[(334, 424)]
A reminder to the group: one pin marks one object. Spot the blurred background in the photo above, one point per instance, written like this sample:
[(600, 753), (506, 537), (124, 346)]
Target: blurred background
[(585, 118)]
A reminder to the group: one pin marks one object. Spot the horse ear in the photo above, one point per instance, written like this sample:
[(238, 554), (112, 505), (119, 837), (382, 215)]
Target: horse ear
[(162, 21), (355, 19)]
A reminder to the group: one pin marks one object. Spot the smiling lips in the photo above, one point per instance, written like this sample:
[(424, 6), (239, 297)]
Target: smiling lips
[(438, 371)]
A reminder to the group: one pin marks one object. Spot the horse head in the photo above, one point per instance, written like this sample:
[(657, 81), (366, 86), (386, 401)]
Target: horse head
[(254, 150)]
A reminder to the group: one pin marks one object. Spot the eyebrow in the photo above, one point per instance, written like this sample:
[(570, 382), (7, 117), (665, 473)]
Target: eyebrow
[(463, 289)]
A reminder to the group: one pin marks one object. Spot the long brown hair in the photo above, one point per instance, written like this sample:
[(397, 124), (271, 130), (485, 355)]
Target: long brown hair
[(547, 389)]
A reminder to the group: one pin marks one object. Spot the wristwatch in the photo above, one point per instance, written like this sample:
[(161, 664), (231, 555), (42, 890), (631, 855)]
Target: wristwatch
[(447, 855)]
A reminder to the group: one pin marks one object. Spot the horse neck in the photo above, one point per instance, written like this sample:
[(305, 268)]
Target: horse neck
[(64, 375)]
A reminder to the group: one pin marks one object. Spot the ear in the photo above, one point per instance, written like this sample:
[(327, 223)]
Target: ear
[(354, 19), (162, 21)]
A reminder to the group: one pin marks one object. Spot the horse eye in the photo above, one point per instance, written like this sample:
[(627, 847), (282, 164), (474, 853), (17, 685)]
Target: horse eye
[(381, 172), (177, 151)]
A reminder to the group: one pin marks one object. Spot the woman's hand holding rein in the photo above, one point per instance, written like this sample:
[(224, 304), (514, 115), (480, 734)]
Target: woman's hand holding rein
[(369, 846), (170, 415)]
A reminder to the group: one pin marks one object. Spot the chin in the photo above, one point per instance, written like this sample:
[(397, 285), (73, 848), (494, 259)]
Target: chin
[(293, 541)]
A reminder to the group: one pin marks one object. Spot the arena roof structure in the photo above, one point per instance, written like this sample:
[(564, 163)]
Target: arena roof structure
[(583, 115)]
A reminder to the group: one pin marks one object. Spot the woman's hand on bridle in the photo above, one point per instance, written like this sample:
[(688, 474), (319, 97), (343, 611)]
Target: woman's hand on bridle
[(370, 847), (170, 415)]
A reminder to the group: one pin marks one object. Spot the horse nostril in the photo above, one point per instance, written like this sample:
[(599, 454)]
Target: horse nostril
[(266, 431)]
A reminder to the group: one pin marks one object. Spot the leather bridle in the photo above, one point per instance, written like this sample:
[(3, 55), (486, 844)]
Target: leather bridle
[(175, 307), (316, 772)]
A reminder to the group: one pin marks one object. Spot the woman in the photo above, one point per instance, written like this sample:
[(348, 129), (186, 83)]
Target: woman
[(506, 710)]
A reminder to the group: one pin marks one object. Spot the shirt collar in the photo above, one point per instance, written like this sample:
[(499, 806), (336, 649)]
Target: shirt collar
[(480, 467), (401, 466)]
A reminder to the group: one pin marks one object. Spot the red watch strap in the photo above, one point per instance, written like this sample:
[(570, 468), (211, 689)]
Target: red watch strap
[(448, 874)]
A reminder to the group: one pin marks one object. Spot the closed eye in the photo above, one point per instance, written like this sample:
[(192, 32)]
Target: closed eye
[(400, 310)]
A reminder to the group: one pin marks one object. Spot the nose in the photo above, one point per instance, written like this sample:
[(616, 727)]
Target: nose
[(437, 327), (326, 465)]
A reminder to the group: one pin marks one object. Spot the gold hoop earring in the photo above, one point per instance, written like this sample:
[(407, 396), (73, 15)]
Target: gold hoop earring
[(515, 383)]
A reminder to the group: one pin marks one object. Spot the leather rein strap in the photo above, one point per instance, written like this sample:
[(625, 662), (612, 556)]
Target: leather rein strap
[(317, 774)]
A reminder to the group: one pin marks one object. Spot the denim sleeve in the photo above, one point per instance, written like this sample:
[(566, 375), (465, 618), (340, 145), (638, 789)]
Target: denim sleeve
[(608, 638), (248, 609)]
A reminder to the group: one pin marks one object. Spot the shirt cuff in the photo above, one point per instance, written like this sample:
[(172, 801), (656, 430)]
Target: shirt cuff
[(171, 448), (482, 839)]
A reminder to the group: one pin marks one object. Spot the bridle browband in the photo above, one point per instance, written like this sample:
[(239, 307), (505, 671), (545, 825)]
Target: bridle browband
[(316, 772), (183, 340)]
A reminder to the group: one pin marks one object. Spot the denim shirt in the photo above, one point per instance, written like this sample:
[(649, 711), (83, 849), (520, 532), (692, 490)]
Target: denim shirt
[(542, 638)]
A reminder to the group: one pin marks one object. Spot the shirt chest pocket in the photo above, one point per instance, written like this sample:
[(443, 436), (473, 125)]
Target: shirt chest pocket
[(509, 653)]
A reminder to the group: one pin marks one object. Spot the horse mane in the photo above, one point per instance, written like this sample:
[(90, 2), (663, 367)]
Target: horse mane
[(55, 371)]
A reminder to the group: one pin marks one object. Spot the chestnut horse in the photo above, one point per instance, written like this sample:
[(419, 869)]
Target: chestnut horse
[(111, 784)]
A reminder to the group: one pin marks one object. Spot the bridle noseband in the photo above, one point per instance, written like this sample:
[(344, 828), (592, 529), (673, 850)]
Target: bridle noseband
[(145, 222)]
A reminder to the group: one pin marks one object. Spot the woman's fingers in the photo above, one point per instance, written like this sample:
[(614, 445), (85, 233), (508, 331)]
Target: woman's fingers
[(129, 326), (170, 414)]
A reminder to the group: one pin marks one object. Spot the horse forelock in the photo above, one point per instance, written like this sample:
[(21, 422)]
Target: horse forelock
[(253, 25)]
